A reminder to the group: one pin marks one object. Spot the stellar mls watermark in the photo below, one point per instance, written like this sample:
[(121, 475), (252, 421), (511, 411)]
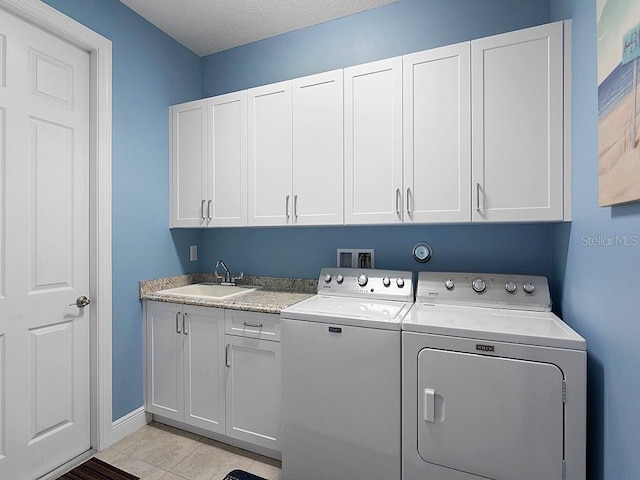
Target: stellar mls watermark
[(610, 241)]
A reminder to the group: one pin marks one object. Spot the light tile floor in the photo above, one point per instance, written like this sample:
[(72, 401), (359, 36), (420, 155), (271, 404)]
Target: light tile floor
[(158, 451)]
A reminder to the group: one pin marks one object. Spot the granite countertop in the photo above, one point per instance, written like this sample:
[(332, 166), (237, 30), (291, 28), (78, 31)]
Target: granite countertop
[(272, 294)]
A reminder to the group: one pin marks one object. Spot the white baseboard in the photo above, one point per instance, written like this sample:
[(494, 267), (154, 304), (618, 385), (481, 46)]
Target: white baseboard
[(128, 424)]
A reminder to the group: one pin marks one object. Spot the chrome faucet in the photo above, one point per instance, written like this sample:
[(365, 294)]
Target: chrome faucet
[(227, 278)]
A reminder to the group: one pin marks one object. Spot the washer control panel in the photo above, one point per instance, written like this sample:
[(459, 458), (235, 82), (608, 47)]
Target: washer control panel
[(519, 292), (366, 283)]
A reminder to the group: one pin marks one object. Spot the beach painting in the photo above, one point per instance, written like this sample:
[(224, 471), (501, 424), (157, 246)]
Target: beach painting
[(618, 109)]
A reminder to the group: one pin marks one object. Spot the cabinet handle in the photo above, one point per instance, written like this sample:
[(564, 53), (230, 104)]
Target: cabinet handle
[(254, 325), (398, 200), (209, 205), (178, 323), (478, 209), (226, 356), (408, 204), (202, 210), (295, 206), (185, 329), (286, 206)]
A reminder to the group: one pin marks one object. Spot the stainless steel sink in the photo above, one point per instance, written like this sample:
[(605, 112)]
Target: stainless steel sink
[(208, 290)]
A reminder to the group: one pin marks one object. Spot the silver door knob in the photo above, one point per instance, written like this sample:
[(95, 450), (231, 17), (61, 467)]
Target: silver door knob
[(81, 302)]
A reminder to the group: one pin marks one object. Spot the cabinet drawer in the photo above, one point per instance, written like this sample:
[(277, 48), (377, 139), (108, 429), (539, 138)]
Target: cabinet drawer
[(251, 324)]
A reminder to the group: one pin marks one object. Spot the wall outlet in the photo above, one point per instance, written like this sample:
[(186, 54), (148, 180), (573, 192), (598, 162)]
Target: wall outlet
[(193, 253), (356, 258)]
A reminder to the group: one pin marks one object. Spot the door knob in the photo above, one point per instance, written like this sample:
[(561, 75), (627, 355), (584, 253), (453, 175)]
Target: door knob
[(81, 302)]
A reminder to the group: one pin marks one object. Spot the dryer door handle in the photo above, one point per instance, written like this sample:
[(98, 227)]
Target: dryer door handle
[(429, 405)]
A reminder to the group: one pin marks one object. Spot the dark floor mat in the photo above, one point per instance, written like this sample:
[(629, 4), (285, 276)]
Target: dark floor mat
[(95, 469), (242, 475)]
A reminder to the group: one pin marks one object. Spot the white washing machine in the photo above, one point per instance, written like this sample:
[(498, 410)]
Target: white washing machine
[(341, 403), (494, 384)]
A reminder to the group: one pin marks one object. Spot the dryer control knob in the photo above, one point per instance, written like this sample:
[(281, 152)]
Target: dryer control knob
[(479, 285), (449, 284), (529, 287), (363, 279), (510, 287), (339, 279), (400, 282), (327, 278), (386, 282)]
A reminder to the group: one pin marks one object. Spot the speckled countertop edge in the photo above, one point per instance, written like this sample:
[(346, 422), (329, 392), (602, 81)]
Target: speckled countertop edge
[(273, 294)]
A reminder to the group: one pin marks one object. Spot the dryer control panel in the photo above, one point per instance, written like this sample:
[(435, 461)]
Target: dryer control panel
[(492, 290), (366, 283)]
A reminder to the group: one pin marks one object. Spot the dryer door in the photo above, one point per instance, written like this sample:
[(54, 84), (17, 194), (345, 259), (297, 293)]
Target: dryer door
[(495, 417)]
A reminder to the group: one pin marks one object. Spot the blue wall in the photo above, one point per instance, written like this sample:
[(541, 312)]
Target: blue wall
[(598, 285), (150, 72)]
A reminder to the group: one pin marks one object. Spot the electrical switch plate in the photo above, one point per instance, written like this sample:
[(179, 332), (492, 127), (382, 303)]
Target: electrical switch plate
[(193, 253)]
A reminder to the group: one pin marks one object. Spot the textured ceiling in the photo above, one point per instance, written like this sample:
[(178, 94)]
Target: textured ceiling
[(210, 26)]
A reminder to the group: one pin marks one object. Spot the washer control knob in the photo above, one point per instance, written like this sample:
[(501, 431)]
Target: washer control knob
[(529, 287), (327, 278), (386, 282), (449, 284), (479, 285), (400, 282), (339, 279), (510, 287), (363, 279)]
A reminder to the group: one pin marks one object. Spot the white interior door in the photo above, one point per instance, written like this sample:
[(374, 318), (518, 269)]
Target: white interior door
[(44, 250)]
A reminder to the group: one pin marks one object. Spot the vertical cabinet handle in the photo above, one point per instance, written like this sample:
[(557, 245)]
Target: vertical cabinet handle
[(185, 328), (209, 214), (202, 215), (398, 200), (227, 361), (286, 206), (178, 323), (408, 203), (429, 405), (295, 206), (478, 209)]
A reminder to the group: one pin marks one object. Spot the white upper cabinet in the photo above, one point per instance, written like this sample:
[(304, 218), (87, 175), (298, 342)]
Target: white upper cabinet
[(189, 176), (373, 142), (270, 155), (318, 149), (228, 160), (517, 124), (437, 135)]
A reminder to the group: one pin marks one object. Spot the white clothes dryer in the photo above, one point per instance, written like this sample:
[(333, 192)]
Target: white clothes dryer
[(341, 399), (494, 384)]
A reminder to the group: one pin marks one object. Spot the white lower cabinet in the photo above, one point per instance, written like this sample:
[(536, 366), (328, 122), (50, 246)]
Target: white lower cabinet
[(197, 375), (185, 364)]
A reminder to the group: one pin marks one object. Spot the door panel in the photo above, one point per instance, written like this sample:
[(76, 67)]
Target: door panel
[(253, 379), (164, 360), (437, 134), (318, 149), (373, 142), (204, 368), (496, 417)]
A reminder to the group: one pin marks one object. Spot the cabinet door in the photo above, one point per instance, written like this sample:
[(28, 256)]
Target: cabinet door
[(318, 149), (164, 375), (517, 123), (228, 160), (253, 391), (189, 176), (204, 368), (437, 135), (373, 142), (270, 152)]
